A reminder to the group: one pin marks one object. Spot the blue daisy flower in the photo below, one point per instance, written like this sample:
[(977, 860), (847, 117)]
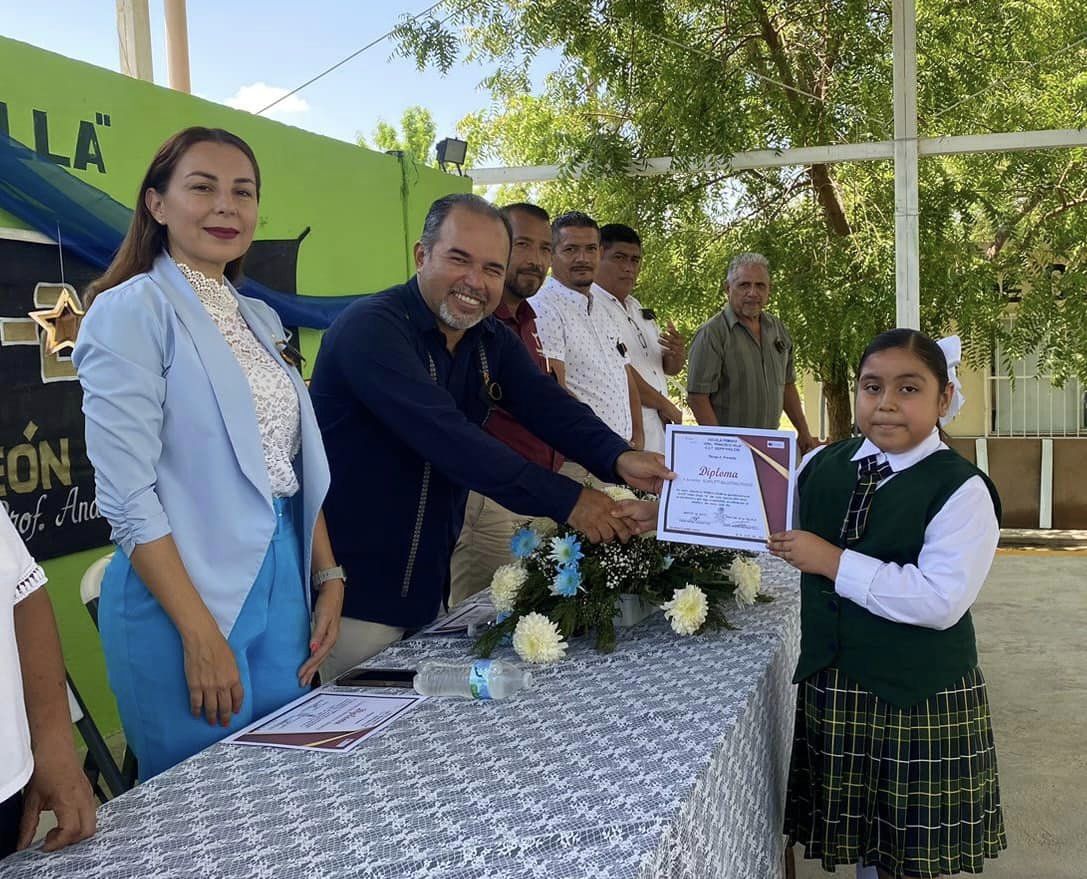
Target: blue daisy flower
[(524, 543), (566, 550), (567, 581)]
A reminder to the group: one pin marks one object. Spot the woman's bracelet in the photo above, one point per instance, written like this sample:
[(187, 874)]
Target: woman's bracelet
[(319, 578)]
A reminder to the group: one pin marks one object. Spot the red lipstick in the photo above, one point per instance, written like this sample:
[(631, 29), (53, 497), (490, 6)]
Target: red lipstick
[(222, 232)]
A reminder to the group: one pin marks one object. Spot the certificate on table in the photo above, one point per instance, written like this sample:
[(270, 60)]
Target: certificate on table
[(329, 719), (458, 620), (733, 486)]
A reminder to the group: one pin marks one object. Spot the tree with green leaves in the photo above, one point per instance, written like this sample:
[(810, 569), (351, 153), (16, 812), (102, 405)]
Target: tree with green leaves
[(415, 137), (701, 79)]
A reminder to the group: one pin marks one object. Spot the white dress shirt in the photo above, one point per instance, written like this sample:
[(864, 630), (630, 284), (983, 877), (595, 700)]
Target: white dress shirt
[(641, 336), (955, 557), (574, 328), (19, 577)]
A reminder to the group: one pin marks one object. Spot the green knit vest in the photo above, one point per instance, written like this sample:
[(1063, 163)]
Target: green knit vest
[(900, 663)]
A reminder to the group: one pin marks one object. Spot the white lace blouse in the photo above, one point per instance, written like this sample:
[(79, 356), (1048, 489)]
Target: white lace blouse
[(274, 395)]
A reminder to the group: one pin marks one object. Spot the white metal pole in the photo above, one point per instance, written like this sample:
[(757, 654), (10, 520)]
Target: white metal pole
[(907, 239), (134, 39), (177, 45), (948, 145)]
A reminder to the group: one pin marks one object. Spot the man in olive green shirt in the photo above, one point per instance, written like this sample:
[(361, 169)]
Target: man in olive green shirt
[(740, 372)]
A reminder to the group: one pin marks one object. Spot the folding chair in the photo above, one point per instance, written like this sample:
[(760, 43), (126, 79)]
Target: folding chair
[(99, 765), (90, 587)]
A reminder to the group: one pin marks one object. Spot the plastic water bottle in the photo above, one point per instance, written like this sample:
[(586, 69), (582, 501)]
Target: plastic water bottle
[(482, 679)]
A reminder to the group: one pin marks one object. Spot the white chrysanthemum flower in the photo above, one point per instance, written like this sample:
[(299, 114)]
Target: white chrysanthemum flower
[(687, 610), (505, 586), (537, 639), (747, 575)]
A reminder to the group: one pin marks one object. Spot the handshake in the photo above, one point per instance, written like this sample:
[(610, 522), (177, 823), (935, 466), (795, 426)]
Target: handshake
[(600, 518)]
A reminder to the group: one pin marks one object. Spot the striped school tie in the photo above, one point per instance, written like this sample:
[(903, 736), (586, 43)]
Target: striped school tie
[(869, 475)]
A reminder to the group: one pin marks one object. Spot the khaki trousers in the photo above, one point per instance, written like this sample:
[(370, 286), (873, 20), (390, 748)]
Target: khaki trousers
[(483, 546), (576, 472), (358, 641)]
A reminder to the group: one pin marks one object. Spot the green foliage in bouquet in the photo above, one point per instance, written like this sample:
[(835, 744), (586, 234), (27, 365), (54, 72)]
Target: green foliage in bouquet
[(577, 585)]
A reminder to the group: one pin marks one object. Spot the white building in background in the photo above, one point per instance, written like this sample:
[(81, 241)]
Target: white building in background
[(1027, 433)]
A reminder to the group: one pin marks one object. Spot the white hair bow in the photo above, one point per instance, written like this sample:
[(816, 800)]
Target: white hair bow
[(952, 348)]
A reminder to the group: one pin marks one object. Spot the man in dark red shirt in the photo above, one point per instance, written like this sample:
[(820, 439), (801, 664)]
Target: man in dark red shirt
[(484, 543)]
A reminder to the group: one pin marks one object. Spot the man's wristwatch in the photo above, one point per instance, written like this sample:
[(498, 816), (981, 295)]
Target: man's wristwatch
[(325, 574)]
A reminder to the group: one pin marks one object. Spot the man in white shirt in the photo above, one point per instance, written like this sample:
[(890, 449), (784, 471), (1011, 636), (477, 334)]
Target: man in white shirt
[(39, 769), (579, 337), (653, 355)]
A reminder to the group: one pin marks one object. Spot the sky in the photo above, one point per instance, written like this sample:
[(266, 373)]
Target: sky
[(249, 52)]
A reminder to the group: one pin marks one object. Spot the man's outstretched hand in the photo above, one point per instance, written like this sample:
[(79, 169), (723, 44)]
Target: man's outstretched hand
[(592, 516), (639, 516), (643, 470)]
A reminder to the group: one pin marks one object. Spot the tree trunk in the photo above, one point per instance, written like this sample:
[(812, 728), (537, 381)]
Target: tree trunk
[(829, 199), (839, 412)]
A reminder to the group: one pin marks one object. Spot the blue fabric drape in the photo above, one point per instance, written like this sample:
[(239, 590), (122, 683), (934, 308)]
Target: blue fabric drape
[(92, 225)]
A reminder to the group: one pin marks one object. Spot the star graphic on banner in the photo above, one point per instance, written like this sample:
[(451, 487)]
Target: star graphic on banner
[(61, 322)]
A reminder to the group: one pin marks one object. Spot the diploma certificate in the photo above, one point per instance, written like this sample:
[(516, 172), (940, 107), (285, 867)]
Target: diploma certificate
[(462, 617), (331, 719), (733, 486)]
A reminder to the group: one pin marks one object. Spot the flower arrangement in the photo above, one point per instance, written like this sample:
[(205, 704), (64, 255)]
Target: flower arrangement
[(559, 587)]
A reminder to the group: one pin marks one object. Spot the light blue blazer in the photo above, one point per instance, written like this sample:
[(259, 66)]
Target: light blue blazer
[(172, 433)]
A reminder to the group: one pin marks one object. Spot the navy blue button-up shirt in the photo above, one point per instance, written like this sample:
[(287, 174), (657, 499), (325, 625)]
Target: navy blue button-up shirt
[(401, 415)]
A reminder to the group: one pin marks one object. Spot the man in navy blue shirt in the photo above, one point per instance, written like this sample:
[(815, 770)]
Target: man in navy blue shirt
[(403, 382)]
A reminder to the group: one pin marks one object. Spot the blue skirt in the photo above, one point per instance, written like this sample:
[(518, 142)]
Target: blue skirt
[(146, 663)]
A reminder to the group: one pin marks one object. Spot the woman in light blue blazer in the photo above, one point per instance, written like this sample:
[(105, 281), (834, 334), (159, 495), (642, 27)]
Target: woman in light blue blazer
[(208, 465)]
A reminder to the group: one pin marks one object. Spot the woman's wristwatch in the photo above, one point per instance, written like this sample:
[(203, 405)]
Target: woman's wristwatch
[(318, 578)]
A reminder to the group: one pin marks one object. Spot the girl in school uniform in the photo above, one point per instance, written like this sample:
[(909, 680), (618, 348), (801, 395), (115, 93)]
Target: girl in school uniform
[(893, 767)]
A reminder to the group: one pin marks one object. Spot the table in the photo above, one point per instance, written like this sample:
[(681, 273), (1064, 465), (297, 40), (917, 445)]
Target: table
[(666, 758)]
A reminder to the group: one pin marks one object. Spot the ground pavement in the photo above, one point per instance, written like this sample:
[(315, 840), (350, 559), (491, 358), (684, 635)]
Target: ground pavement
[(1031, 622)]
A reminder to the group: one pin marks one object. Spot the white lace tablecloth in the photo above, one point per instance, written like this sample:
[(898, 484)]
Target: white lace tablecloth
[(666, 758)]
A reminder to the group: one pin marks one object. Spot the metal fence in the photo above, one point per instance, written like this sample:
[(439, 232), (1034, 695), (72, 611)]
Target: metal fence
[(1024, 401), (1020, 402)]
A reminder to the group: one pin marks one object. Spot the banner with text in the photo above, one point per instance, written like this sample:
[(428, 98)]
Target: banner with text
[(46, 481)]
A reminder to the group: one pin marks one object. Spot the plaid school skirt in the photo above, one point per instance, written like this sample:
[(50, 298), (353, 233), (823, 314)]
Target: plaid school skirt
[(913, 791)]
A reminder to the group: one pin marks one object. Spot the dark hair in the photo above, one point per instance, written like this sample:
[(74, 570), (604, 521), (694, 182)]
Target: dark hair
[(435, 217), (533, 210), (572, 220), (915, 342), (146, 238), (617, 233)]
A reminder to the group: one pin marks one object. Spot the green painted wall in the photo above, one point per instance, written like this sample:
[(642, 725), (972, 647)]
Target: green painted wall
[(365, 210)]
